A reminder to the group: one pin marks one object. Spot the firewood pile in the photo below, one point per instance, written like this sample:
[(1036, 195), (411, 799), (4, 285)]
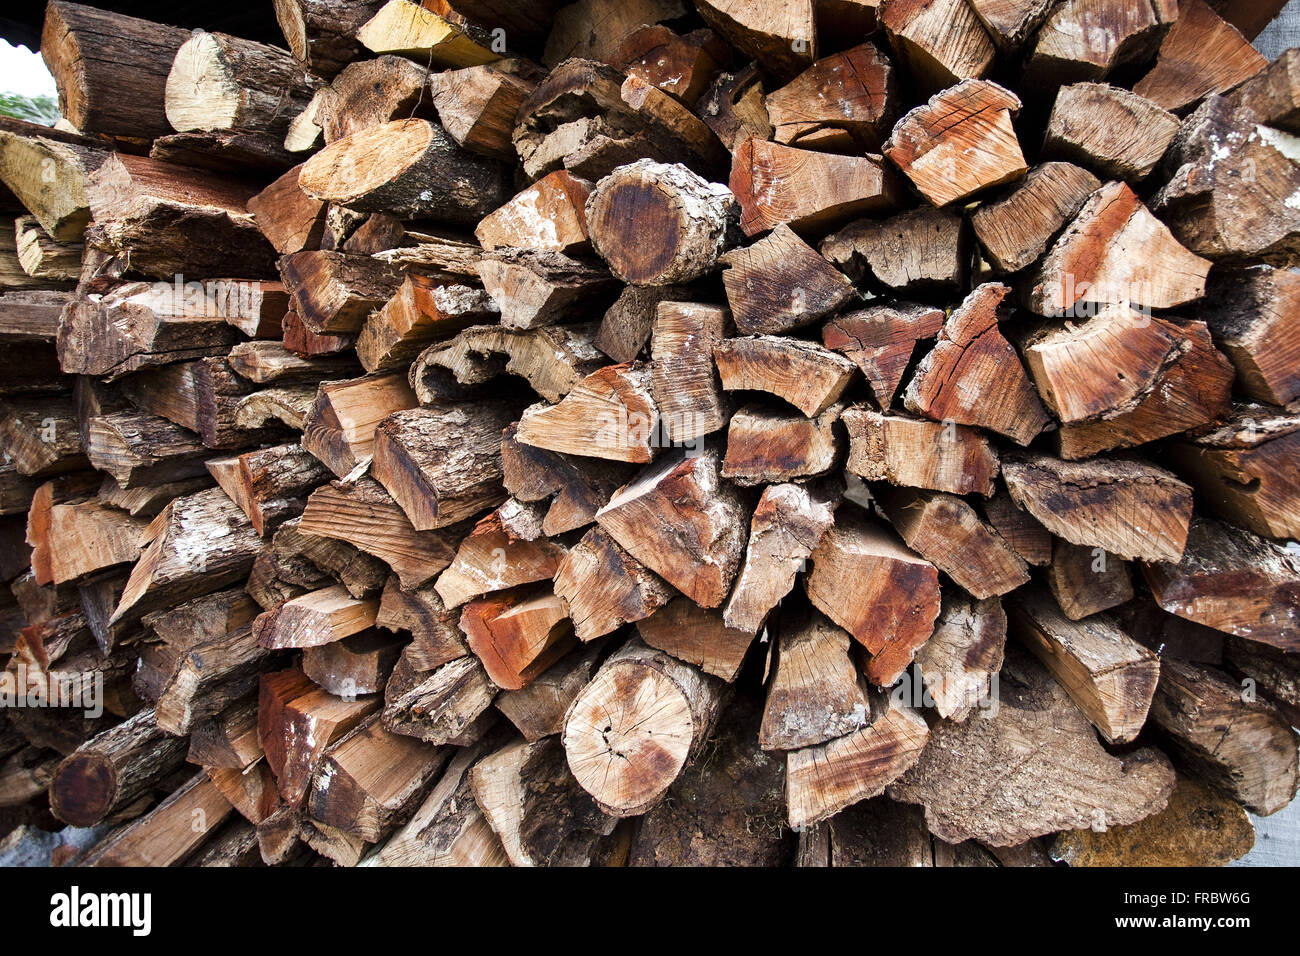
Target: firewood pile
[(828, 432)]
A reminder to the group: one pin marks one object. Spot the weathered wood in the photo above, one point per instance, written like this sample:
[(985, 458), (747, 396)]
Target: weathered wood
[(505, 549), (814, 694), (421, 311), (576, 489), (170, 832), (1201, 54), (766, 445), (781, 36), (915, 453), (682, 66), (959, 664), (319, 617), (1271, 94), (370, 92), (697, 636), (228, 740), (780, 283), (40, 436), (605, 587), (733, 107), (340, 428), (609, 414), (1090, 39), (139, 450), (321, 34), (1249, 312), (941, 41), (682, 378), (880, 340), (538, 710), (916, 252), (548, 216), (290, 219), (842, 101), (517, 634), (1087, 580), (435, 635), (334, 292), (42, 257), (1016, 228), (807, 376), (48, 175), (477, 104), (448, 704), (1109, 130)]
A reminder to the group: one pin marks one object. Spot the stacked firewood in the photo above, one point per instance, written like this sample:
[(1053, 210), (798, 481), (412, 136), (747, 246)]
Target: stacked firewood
[(821, 431)]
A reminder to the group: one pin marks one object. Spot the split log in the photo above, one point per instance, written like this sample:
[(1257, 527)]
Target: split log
[(218, 82), (787, 526), (548, 216), (947, 532), (1109, 130), (42, 257), (1090, 39), (1271, 94), (250, 791), (814, 694), (781, 36), (822, 780), (1107, 674), (1232, 581), (538, 710), (408, 168), (807, 376), (228, 740), (844, 102), (1011, 23), (692, 219), (1249, 313), (340, 428), (1062, 777), (576, 489), (319, 617), (1089, 263), (697, 636), (640, 721), (682, 378), (1272, 670), (415, 31), (808, 190), (959, 664), (1242, 747), (609, 414), (733, 107), (942, 42), (535, 289), (290, 219), (270, 363), (880, 340), (894, 593), (932, 143), (1127, 507), (914, 453), (1201, 54), (1085, 581), (167, 834), (916, 252), (448, 704), (517, 635), (766, 446), (304, 135), (682, 66), (435, 634), (321, 34), (205, 677), (40, 436), (49, 176), (296, 337), (370, 92), (477, 105), (71, 541), (680, 521), (422, 311), (113, 769), (334, 292), (605, 587), (1016, 228), (505, 549), (110, 69), (1241, 470), (780, 283), (973, 376)]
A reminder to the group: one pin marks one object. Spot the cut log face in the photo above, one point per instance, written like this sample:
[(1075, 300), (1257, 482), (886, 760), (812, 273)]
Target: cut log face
[(933, 143), (1110, 676), (842, 101), (733, 107), (517, 636), (408, 29), (1122, 34), (610, 414), (626, 749), (1271, 94), (446, 705), (1096, 260), (1201, 54), (959, 664), (477, 104), (605, 587), (806, 189), (548, 216), (915, 453), (1016, 228), (49, 178), (1232, 581), (1065, 780), (320, 617), (538, 710), (697, 636), (533, 289), (682, 66), (814, 694), (766, 446), (916, 252), (371, 92), (359, 664), (1127, 507), (576, 489), (895, 593), (781, 36), (421, 312), (942, 41), (780, 283), (807, 376), (694, 222), (340, 428), (1115, 133), (1249, 313), (679, 520), (1011, 23), (505, 549), (880, 340), (973, 376), (1241, 470), (1087, 580), (682, 377)]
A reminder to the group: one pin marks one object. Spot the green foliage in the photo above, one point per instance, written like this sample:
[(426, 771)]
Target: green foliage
[(34, 109)]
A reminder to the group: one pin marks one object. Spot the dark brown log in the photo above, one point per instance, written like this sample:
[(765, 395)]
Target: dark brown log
[(435, 634), (290, 219), (697, 636), (682, 66), (553, 360), (40, 436), (340, 428), (1272, 670), (548, 216), (1016, 228), (780, 283), (334, 292), (538, 710), (880, 340), (229, 740), (843, 102), (919, 454), (1087, 580), (1201, 54), (1249, 312), (235, 152), (605, 587)]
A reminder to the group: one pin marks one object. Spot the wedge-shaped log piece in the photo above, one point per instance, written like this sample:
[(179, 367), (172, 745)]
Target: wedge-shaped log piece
[(814, 694), (335, 292), (868, 583), (504, 550), (1201, 54), (370, 92), (538, 710), (1275, 672), (1244, 748), (842, 101), (973, 375), (1011, 23), (809, 377), (692, 219), (1017, 227), (1088, 39), (682, 66), (269, 485), (806, 189), (517, 635), (780, 283), (1127, 507), (947, 532), (421, 312), (270, 363), (435, 635), (764, 445), (552, 360), (548, 216), (697, 636), (48, 177), (167, 834), (44, 258), (733, 107), (340, 428), (320, 617), (1250, 313), (41, 437), (408, 168), (1115, 133), (1087, 580), (682, 377), (679, 520), (919, 251), (1053, 773), (1019, 528), (959, 143), (605, 587), (1272, 94), (782, 36), (941, 41), (630, 732), (959, 664), (533, 289), (359, 664), (144, 449), (610, 414), (1242, 470), (822, 780), (1234, 582), (915, 453), (477, 104), (787, 526), (1110, 676), (411, 30), (440, 706), (576, 489), (73, 540), (1094, 260), (880, 340)]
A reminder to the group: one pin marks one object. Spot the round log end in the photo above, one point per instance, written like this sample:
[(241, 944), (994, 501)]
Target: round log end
[(83, 789), (639, 230), (357, 165), (200, 91)]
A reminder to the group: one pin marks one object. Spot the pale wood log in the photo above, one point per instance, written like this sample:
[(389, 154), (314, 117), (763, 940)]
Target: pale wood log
[(606, 587), (1016, 228), (807, 376), (40, 436), (48, 176), (1109, 130), (420, 312), (1087, 580), (477, 104), (697, 636), (913, 253), (941, 41), (765, 446), (842, 101), (170, 832), (412, 30), (370, 92), (505, 549), (340, 428), (814, 694), (683, 382), (781, 36), (553, 360), (548, 216), (319, 617), (959, 664), (609, 414), (321, 34), (915, 453), (1201, 54)]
